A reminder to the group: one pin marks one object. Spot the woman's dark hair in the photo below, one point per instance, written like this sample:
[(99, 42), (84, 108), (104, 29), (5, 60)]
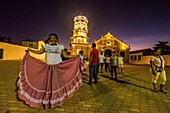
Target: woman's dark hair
[(52, 34), (155, 49), (80, 52)]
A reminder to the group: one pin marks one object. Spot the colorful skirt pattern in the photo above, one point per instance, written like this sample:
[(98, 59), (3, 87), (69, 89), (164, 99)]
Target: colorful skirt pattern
[(46, 85)]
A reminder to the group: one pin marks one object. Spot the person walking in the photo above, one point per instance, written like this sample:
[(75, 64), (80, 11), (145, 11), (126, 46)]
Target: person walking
[(107, 61), (120, 64), (157, 64), (93, 64), (101, 61), (113, 65), (81, 54), (83, 58)]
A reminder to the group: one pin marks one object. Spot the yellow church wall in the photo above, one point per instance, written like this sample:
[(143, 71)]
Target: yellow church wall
[(16, 52)]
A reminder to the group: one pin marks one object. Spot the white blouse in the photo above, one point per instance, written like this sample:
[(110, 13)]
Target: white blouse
[(101, 58), (157, 61), (53, 53)]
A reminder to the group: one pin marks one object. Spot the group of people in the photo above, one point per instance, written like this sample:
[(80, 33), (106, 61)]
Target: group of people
[(48, 84), (114, 63)]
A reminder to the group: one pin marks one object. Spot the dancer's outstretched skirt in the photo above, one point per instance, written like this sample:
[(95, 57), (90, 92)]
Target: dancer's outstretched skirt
[(46, 85)]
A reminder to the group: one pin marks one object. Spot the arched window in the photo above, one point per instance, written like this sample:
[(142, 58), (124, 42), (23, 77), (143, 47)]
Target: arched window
[(84, 40), (79, 40)]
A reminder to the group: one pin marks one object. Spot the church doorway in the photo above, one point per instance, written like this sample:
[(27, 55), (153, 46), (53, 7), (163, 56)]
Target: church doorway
[(122, 54), (107, 51)]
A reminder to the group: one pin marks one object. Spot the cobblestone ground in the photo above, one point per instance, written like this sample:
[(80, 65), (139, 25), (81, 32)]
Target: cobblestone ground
[(130, 94)]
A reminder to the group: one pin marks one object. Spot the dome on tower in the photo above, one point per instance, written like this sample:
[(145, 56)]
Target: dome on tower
[(80, 18)]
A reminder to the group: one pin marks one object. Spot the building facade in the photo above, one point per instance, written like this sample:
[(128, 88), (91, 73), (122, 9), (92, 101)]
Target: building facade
[(142, 57), (79, 40), (107, 43), (30, 44), (16, 52)]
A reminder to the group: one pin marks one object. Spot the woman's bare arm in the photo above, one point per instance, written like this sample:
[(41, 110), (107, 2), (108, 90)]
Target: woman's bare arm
[(152, 68), (42, 50)]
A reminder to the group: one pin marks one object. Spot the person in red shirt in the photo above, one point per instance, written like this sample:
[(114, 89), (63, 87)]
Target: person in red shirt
[(93, 63)]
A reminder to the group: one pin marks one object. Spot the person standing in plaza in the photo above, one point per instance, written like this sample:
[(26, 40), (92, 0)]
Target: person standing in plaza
[(83, 58), (157, 64), (107, 61), (81, 54), (120, 64), (101, 61), (93, 64), (113, 65), (62, 56), (48, 83)]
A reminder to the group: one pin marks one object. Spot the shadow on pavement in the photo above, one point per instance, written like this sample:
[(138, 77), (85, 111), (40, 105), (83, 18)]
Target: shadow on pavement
[(7, 111), (94, 90), (105, 76), (16, 89), (85, 78), (125, 82)]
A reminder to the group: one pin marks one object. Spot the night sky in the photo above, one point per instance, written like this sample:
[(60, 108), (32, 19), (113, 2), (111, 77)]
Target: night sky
[(139, 23)]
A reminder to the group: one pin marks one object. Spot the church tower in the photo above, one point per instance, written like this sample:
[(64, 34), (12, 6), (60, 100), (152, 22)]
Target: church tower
[(79, 40)]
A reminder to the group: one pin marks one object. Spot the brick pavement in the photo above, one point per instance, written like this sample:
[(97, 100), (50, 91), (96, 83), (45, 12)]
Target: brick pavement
[(131, 94)]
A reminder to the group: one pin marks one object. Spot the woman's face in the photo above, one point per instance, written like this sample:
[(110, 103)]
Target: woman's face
[(158, 52), (82, 53), (53, 40)]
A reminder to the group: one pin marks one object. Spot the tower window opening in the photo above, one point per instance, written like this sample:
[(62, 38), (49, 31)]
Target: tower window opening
[(78, 40)]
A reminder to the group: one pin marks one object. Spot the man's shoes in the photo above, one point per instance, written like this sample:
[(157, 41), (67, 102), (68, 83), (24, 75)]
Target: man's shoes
[(89, 83), (95, 82), (112, 78), (163, 91), (155, 90)]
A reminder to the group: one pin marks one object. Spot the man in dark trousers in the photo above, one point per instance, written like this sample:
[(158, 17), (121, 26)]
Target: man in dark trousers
[(93, 64)]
